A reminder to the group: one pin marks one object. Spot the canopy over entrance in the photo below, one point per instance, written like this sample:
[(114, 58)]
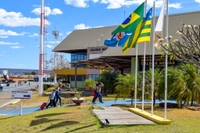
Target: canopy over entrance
[(108, 63)]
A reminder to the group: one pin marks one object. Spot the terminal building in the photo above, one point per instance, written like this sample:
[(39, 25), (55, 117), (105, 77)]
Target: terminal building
[(89, 56)]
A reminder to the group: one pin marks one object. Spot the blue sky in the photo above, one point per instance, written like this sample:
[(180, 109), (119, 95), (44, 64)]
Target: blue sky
[(20, 21)]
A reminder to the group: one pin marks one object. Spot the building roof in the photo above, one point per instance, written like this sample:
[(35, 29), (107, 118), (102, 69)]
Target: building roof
[(80, 40)]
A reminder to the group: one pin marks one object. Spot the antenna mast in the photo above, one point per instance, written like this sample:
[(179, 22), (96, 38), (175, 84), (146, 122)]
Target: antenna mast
[(41, 56), (56, 34), (45, 37)]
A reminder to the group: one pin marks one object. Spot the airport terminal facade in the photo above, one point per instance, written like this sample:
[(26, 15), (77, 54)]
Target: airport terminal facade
[(89, 56)]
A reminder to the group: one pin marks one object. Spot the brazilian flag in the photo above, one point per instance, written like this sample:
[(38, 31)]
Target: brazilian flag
[(130, 24)]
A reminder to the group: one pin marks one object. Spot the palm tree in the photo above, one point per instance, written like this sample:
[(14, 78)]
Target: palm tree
[(125, 86), (184, 83), (90, 83), (108, 79), (193, 82), (157, 80)]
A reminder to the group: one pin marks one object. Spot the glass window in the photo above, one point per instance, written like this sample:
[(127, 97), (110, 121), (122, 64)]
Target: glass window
[(78, 56)]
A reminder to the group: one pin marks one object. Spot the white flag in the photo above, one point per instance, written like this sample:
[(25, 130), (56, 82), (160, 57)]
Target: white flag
[(159, 26)]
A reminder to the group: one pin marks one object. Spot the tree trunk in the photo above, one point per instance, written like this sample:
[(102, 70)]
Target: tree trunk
[(192, 101), (91, 91)]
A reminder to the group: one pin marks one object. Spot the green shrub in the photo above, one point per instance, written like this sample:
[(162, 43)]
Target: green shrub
[(46, 86)]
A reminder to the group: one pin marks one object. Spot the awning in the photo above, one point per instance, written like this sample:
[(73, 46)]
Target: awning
[(108, 62)]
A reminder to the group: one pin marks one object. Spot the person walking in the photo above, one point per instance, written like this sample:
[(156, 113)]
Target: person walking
[(98, 92), (52, 99), (1, 87), (58, 97)]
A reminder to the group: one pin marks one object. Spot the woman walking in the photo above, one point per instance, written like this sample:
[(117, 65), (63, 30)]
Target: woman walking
[(98, 94)]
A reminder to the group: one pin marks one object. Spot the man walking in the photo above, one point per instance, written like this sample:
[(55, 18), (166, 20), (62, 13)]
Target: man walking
[(52, 99)]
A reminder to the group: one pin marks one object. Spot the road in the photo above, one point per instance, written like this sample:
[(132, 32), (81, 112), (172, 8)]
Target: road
[(5, 95)]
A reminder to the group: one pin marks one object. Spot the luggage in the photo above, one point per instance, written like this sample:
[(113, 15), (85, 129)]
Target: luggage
[(43, 105)]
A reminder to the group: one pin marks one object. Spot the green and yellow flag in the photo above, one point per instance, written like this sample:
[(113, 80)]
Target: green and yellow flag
[(141, 33), (130, 24)]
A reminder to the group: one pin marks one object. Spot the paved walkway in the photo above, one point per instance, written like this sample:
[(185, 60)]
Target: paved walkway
[(117, 116)]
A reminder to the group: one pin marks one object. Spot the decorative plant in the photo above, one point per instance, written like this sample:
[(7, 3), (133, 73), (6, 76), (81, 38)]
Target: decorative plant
[(78, 95), (187, 49), (90, 83)]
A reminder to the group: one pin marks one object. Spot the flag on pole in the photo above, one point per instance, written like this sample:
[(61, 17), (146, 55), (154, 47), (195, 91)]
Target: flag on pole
[(117, 40), (130, 24), (146, 29), (159, 26), (141, 34)]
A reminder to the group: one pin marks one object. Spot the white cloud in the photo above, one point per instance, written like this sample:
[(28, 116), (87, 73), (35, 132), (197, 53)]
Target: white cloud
[(198, 1), (48, 11), (56, 11), (77, 3), (48, 46), (34, 35), (95, 1), (53, 42), (3, 36), (15, 19), (8, 43), (16, 47), (114, 4), (10, 33), (175, 5), (81, 27)]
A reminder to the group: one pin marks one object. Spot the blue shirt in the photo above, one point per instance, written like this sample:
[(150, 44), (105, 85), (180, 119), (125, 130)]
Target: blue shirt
[(52, 95)]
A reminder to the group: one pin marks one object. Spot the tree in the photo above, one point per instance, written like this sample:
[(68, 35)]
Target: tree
[(108, 79), (157, 80), (184, 83), (61, 62), (90, 83), (125, 86), (33, 73), (187, 49)]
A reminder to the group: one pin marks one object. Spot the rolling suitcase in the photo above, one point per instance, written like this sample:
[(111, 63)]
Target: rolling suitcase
[(44, 104)]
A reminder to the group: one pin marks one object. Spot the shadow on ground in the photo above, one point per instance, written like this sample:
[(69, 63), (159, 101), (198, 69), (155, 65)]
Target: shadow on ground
[(41, 121), (81, 128), (49, 115), (61, 124)]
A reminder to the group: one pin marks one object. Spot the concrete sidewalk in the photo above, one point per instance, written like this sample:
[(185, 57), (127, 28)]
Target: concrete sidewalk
[(118, 116)]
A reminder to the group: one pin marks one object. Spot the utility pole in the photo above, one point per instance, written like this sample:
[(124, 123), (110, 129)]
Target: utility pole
[(56, 34), (41, 56)]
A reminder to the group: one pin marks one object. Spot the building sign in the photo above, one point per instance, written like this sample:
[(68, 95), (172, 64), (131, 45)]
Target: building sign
[(159, 62), (21, 94)]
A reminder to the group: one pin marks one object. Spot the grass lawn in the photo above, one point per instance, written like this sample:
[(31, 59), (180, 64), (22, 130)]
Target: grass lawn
[(80, 119)]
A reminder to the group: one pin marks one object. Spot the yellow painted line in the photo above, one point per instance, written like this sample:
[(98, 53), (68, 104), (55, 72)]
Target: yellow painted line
[(147, 115)]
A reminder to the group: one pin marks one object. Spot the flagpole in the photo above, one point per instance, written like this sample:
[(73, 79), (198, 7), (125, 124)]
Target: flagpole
[(166, 61), (136, 69), (144, 63), (153, 56)]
